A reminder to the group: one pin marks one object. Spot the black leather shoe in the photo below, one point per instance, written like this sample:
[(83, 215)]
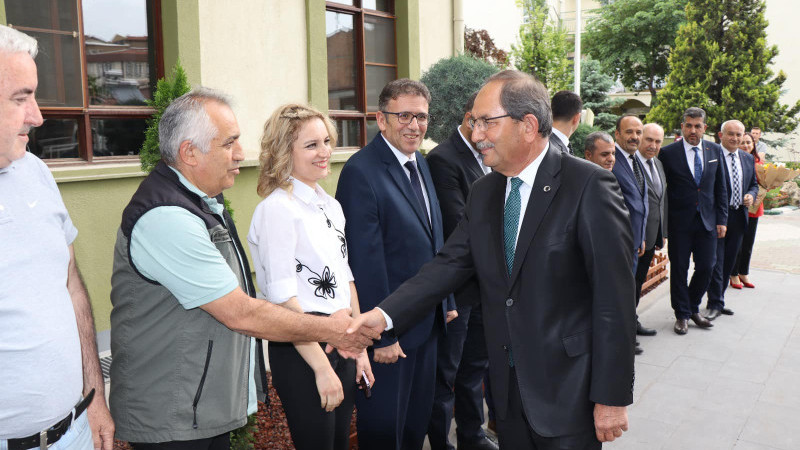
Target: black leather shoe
[(482, 444), (726, 311), (713, 313), (637, 350), (642, 331), (681, 326), (701, 321)]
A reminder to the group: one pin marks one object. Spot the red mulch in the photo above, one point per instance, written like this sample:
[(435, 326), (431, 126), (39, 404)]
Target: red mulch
[(273, 431)]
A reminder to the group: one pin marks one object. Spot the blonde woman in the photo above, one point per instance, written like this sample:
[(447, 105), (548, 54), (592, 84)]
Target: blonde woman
[(300, 255)]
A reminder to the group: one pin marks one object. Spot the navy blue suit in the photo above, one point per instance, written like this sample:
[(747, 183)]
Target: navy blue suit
[(389, 239), (693, 214), (635, 200), (728, 247)]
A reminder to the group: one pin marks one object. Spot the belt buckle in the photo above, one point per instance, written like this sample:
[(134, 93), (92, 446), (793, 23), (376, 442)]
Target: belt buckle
[(43, 440)]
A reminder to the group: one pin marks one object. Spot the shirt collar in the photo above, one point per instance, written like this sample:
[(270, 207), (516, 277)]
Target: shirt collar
[(401, 157), (212, 202), (641, 156), (624, 151), (528, 174), (305, 193), (470, 146), (563, 137), (688, 147), (728, 152)]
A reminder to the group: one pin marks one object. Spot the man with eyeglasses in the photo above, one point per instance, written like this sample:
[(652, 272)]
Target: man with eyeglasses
[(393, 227), (548, 237)]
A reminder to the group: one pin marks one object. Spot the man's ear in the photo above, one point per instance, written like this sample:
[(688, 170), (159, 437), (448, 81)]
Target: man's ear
[(576, 119), (187, 153), (380, 117), (531, 128)]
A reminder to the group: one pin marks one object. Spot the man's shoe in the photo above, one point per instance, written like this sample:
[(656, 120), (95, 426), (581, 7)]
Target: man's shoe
[(701, 321), (726, 311), (482, 444), (637, 350), (713, 313), (642, 331), (681, 326)]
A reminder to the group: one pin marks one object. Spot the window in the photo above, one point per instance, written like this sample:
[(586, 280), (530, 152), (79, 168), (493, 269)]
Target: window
[(362, 58), (98, 63)]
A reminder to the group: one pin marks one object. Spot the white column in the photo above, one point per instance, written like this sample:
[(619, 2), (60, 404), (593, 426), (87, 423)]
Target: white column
[(577, 60), (458, 27)]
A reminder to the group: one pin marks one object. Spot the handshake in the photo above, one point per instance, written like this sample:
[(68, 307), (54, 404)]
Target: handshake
[(353, 335)]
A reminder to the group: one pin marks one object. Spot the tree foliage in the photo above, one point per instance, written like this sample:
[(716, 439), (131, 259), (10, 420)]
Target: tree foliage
[(595, 86), (479, 44), (543, 47), (451, 82), (167, 90), (632, 40), (720, 62)]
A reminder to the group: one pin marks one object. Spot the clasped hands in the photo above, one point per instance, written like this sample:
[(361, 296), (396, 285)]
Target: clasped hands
[(353, 335)]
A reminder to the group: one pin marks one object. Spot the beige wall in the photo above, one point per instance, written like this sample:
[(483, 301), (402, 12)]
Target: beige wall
[(783, 17), (254, 50), (436, 31)]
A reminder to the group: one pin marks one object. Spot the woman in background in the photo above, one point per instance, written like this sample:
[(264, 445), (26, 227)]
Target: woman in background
[(300, 255), (741, 268)]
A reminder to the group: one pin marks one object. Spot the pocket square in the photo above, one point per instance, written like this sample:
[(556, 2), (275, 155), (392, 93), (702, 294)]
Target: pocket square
[(713, 160)]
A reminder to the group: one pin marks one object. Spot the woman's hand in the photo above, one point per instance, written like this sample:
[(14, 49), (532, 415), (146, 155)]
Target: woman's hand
[(329, 388), (363, 366)]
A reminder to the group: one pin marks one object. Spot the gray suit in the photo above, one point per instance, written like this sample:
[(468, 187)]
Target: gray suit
[(656, 223)]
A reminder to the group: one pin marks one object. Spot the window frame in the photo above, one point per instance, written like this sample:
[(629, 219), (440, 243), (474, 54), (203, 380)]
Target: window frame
[(362, 116), (87, 112)]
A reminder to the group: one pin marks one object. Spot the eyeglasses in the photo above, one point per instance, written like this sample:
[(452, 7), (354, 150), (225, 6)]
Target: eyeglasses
[(406, 117), (484, 124)]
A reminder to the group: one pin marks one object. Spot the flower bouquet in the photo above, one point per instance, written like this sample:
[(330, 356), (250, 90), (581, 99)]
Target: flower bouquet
[(770, 176)]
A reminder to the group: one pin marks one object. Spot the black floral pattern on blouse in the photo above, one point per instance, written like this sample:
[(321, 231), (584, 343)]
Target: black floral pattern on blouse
[(325, 283), (343, 248)]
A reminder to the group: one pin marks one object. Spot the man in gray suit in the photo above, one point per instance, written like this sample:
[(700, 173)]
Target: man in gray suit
[(656, 226)]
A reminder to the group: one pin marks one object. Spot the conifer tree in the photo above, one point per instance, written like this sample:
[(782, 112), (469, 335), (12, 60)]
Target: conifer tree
[(720, 62), (167, 90)]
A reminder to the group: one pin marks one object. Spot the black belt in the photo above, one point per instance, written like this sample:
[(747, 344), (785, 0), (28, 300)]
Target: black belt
[(48, 437)]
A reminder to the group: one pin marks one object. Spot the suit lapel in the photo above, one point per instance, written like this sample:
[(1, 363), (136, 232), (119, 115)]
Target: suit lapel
[(545, 187), (663, 177), (430, 191), (398, 175), (467, 156), (494, 213)]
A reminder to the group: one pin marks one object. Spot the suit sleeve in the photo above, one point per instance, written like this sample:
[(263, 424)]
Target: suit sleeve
[(605, 236), (451, 267), (721, 192), (364, 237), (752, 185)]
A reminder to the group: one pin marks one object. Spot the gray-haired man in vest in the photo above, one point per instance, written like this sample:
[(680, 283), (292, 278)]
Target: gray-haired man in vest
[(185, 362)]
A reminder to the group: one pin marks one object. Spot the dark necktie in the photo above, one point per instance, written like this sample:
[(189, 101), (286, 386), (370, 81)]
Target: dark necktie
[(416, 186), (569, 149), (654, 177), (511, 222), (637, 172), (698, 167), (736, 183)]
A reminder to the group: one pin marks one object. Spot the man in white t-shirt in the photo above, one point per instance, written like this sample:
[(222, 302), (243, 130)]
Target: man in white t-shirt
[(52, 386)]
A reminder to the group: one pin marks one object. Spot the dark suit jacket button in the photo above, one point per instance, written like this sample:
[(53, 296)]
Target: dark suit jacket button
[(509, 302)]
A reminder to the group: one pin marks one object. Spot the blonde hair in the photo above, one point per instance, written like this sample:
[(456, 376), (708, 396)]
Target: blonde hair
[(280, 133)]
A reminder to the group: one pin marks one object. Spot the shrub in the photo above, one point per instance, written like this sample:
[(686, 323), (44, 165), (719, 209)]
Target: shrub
[(578, 138)]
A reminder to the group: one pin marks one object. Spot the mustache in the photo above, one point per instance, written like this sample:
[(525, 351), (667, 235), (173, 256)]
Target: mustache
[(484, 145)]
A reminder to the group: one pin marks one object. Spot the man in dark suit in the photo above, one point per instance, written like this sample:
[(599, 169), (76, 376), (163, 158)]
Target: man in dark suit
[(393, 227), (656, 229), (631, 179), (548, 237), (567, 107), (742, 187), (697, 213), (462, 359)]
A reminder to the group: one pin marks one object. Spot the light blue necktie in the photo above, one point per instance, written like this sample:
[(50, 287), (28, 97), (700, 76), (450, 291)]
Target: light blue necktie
[(698, 166), (511, 222)]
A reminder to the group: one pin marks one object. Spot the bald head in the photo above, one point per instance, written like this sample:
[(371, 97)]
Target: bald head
[(731, 134), (652, 137)]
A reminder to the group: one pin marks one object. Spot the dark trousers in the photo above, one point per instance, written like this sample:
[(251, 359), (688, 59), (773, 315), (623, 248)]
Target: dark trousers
[(727, 252), (515, 433), (487, 395), (742, 266), (220, 442), (397, 415), (312, 427), (641, 271), (460, 366), (700, 244)]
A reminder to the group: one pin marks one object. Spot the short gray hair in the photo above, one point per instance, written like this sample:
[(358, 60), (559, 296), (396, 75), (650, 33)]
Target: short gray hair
[(694, 112), (186, 119), (728, 123), (13, 41), (523, 94), (591, 140)]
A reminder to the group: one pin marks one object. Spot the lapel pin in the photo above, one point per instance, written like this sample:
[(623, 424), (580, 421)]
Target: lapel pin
[(547, 188)]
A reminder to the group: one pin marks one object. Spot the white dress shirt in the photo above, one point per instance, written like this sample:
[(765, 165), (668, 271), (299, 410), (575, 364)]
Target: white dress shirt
[(653, 173), (403, 159), (687, 147), (299, 249), (478, 157), (528, 176), (729, 164), (628, 158)]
